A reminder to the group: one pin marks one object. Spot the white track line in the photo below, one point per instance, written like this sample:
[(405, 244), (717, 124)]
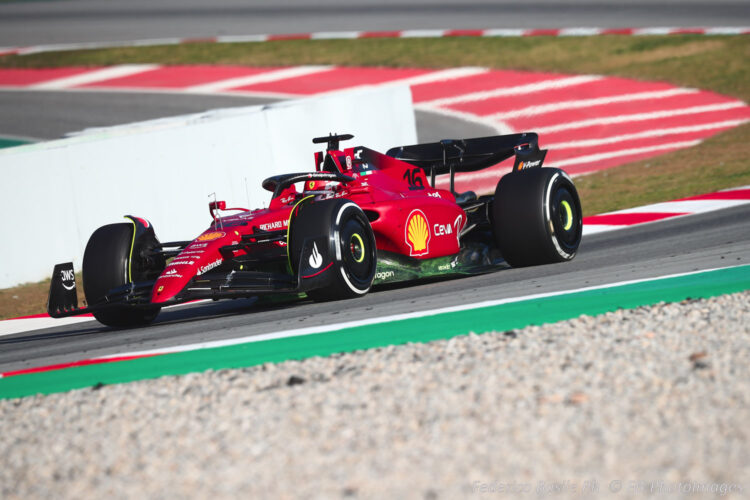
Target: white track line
[(580, 31), (13, 326), (647, 134), (269, 76), (589, 229), (423, 33), (388, 319), (504, 32), (529, 88), (685, 206), (335, 35), (434, 76), (95, 76), (439, 76), (726, 31), (241, 38), (654, 31), (653, 115), (587, 103)]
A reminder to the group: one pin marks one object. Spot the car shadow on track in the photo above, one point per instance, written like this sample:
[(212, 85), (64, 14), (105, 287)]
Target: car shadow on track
[(196, 313), (51, 333)]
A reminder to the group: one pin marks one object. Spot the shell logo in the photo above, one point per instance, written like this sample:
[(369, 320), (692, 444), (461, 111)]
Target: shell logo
[(215, 235), (417, 233)]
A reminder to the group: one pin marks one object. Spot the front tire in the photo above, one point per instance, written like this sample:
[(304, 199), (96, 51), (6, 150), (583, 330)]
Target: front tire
[(536, 217), (351, 247), (107, 265)]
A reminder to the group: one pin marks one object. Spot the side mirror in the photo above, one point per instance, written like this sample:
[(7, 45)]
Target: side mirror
[(217, 205), (214, 206)]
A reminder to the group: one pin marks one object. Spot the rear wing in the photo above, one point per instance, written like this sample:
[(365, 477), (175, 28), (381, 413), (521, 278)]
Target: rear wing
[(467, 155)]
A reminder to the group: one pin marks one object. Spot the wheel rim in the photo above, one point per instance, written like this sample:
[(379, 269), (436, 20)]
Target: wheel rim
[(357, 252), (566, 218), (567, 215), (357, 247)]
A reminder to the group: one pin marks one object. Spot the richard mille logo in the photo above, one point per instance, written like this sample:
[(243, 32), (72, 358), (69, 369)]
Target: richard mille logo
[(315, 258)]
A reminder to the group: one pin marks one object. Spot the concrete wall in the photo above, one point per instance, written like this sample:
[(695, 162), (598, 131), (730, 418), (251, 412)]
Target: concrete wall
[(56, 193)]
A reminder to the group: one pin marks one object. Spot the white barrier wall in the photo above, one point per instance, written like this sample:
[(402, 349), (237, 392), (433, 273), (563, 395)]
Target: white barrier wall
[(56, 193)]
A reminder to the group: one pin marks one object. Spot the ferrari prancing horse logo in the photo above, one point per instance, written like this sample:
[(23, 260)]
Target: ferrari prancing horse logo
[(417, 233)]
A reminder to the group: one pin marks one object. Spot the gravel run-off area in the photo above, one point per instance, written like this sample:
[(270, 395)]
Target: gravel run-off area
[(658, 394)]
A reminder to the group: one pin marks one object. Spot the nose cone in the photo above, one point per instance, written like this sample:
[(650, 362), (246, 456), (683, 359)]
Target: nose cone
[(202, 253), (171, 282)]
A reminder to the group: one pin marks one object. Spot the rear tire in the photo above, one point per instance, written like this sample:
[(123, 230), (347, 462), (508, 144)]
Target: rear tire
[(352, 245), (106, 263), (537, 217)]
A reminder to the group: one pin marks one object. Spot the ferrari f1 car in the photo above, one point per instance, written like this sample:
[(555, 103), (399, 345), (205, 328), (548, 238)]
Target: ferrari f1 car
[(362, 218)]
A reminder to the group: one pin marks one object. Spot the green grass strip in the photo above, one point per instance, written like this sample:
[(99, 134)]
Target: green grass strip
[(423, 329), (9, 143)]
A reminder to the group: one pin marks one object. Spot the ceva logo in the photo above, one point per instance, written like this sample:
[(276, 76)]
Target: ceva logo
[(417, 233)]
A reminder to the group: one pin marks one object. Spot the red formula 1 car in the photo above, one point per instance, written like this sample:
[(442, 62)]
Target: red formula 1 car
[(362, 218)]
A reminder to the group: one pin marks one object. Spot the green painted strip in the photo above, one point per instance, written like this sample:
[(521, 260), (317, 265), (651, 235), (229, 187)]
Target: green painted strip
[(424, 329), (9, 143)]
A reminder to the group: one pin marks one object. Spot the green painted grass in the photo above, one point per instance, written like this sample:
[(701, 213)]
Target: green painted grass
[(9, 143)]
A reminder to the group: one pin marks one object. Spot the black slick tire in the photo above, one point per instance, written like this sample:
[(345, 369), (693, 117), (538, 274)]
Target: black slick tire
[(351, 245), (107, 265), (536, 217)]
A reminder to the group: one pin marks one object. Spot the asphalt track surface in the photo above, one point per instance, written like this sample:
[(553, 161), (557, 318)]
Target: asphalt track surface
[(713, 240), (51, 115), (25, 22)]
